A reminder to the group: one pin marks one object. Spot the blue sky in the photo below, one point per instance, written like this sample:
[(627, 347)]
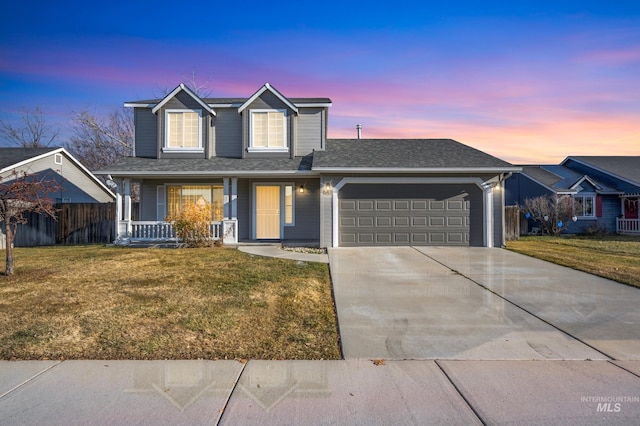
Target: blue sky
[(528, 81)]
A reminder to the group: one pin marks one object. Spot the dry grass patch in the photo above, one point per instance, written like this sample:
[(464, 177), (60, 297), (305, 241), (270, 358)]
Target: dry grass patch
[(95, 302), (613, 257)]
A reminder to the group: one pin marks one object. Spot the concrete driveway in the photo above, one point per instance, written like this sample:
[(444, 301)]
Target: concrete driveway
[(478, 304)]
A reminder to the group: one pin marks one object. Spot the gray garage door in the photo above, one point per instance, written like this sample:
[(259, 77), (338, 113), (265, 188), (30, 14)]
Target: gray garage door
[(394, 214)]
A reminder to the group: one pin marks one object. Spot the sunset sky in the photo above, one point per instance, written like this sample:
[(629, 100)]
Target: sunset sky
[(526, 81)]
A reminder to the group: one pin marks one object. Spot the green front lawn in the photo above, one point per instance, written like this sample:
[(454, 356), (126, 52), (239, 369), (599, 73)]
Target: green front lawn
[(96, 302), (614, 257)]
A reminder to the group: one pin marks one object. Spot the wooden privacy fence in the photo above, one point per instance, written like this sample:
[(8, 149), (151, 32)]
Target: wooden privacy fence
[(79, 223), (515, 223)]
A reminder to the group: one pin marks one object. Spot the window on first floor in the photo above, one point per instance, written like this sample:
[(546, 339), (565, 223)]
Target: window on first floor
[(288, 204), (183, 130), (268, 130), (585, 205), (179, 196)]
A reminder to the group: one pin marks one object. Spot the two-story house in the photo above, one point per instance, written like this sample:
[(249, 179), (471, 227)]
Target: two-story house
[(265, 166)]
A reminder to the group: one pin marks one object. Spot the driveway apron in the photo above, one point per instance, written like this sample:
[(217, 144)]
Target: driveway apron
[(400, 303), (600, 312)]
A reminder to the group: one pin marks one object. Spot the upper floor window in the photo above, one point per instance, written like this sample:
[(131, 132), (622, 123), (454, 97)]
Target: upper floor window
[(184, 130), (268, 130), (585, 205)]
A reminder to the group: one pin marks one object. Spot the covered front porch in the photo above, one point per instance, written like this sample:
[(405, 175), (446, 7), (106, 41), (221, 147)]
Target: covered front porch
[(130, 231), (629, 223)]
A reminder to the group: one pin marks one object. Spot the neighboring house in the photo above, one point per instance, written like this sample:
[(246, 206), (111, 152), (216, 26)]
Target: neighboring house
[(606, 187), (78, 184), (266, 167)]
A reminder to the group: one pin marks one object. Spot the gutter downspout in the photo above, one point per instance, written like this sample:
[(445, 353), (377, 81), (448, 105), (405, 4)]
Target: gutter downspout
[(488, 215)]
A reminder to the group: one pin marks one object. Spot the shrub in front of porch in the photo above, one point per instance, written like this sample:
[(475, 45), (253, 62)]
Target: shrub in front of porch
[(192, 224)]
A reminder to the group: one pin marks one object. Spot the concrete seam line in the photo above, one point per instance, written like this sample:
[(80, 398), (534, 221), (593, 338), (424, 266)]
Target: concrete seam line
[(460, 393), (223, 410), (623, 369), (517, 306), (35, 376)]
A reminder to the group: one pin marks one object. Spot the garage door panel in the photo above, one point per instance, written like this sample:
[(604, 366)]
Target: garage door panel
[(407, 214), (382, 222), (401, 221), (384, 205), (347, 222), (365, 222), (401, 205)]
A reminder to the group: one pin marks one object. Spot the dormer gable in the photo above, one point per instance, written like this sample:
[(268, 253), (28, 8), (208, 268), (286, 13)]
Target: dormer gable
[(182, 88), (265, 88)]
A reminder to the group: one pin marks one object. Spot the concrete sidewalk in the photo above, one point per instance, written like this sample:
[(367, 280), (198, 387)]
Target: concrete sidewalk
[(350, 392), (271, 250)]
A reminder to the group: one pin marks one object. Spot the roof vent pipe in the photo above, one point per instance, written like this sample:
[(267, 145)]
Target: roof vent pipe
[(359, 130)]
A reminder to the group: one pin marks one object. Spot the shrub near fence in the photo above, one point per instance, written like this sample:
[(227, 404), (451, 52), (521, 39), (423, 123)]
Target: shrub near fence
[(77, 223)]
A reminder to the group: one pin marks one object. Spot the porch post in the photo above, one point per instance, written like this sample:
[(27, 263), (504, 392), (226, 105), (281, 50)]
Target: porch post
[(127, 204), (234, 198), (225, 189), (118, 214)]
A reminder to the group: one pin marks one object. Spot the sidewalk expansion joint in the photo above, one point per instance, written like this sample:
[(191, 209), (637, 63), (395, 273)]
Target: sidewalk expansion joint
[(223, 410), (517, 306), (30, 379), (624, 369), (466, 401)]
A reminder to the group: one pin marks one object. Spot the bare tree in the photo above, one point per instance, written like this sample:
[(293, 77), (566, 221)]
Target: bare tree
[(193, 82), (100, 141), (553, 212), (34, 132), (21, 193)]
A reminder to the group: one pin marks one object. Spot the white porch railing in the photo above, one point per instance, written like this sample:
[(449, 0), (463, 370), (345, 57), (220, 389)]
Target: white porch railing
[(128, 231), (628, 226)]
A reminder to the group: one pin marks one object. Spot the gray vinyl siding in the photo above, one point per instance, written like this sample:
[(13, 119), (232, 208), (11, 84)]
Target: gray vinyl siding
[(326, 211), (227, 133), (306, 213), (309, 131), (146, 133), (244, 209), (148, 200)]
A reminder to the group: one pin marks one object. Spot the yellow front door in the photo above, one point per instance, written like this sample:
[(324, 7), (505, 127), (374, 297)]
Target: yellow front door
[(267, 212)]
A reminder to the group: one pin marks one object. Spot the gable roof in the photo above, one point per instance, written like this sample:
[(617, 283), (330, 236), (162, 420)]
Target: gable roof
[(409, 155), (563, 180), (623, 167), (182, 88), (11, 158), (273, 90)]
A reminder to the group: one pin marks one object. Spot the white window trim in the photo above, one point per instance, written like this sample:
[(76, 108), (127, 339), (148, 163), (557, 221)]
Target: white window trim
[(167, 148), (251, 148), (580, 198), (57, 158)]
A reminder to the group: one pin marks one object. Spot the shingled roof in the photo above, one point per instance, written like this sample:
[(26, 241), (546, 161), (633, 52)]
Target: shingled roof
[(401, 154), (625, 167), (11, 156), (133, 166)]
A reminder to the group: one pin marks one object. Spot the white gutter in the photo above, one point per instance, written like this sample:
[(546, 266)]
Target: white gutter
[(353, 170)]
